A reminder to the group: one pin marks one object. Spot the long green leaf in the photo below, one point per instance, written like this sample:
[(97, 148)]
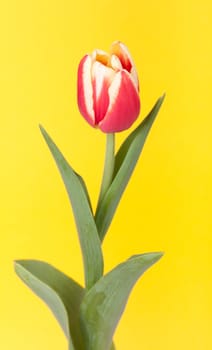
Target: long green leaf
[(88, 234), (104, 303), (61, 293), (125, 162)]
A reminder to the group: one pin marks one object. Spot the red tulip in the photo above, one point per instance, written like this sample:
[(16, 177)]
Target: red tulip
[(108, 89)]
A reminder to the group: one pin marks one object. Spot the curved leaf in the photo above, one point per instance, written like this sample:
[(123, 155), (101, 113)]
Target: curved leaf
[(125, 162), (62, 294), (104, 303), (88, 235)]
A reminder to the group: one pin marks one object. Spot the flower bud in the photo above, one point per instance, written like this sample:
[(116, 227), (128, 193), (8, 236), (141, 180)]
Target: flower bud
[(108, 89)]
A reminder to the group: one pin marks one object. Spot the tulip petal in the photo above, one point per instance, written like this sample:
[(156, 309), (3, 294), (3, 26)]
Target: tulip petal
[(122, 52), (115, 63), (124, 104), (85, 91), (102, 77), (101, 56)]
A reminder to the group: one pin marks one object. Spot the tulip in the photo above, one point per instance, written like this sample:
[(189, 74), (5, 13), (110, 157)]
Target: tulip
[(108, 89)]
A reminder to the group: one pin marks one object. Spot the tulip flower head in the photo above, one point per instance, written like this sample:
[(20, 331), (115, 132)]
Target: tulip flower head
[(108, 89)]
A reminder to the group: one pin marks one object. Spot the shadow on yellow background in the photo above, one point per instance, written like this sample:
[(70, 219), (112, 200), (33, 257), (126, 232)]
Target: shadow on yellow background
[(167, 205)]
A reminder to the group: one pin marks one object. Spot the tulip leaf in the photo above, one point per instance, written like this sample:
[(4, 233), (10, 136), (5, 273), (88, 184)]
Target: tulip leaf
[(62, 294), (85, 189), (125, 162), (105, 302), (87, 230)]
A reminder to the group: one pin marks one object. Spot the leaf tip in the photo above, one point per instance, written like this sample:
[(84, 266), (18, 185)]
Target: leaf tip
[(17, 267), (18, 262), (161, 99), (155, 256), (163, 96), (43, 131), (15, 263), (149, 258)]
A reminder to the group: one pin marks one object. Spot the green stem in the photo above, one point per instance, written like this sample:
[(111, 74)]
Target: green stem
[(108, 166)]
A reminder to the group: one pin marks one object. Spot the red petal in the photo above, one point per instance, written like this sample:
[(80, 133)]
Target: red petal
[(101, 79), (85, 90), (120, 50), (123, 54), (124, 104)]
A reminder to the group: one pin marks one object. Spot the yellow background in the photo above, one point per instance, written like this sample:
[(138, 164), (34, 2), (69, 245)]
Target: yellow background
[(167, 205)]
